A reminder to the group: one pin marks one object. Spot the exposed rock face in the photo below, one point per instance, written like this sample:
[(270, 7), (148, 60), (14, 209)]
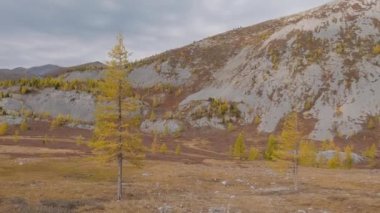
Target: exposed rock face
[(79, 106), (161, 126), (216, 123), (329, 154), (11, 120), (11, 105), (151, 75), (320, 63), (84, 75)]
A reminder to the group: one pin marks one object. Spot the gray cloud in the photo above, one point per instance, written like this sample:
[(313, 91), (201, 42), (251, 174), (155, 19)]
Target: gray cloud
[(77, 31)]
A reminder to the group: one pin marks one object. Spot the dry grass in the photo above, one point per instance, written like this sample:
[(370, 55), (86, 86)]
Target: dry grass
[(34, 150), (64, 185)]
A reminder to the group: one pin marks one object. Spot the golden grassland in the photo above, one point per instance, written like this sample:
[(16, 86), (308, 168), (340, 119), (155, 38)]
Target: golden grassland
[(83, 185)]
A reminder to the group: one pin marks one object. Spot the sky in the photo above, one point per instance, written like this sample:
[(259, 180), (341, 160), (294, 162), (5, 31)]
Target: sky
[(72, 32)]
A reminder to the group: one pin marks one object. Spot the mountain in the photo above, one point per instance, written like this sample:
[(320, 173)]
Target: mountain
[(47, 70), (42, 70), (20, 72), (323, 63)]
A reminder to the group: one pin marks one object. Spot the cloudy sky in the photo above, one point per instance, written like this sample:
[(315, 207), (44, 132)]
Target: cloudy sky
[(70, 32)]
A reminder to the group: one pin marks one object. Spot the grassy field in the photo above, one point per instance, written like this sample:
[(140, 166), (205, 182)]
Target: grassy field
[(79, 184), (50, 172)]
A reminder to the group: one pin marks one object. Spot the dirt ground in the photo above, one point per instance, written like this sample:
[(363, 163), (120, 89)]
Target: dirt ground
[(47, 171)]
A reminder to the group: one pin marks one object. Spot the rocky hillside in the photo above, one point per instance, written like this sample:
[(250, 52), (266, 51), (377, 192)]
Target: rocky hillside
[(323, 63)]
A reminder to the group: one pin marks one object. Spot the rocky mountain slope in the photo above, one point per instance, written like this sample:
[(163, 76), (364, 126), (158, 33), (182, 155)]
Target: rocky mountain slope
[(323, 63)]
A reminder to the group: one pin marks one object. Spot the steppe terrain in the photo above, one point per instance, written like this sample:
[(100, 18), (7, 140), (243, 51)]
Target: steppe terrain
[(56, 173)]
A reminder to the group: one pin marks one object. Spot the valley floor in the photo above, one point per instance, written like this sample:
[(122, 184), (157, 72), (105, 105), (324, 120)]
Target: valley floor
[(50, 172)]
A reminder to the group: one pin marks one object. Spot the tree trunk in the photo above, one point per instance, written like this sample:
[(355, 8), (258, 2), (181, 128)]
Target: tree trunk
[(295, 170), (120, 177), (120, 155)]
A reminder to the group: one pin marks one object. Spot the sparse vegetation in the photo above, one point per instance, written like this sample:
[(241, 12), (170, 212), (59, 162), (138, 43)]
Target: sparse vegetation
[(371, 122), (257, 120), (308, 154), (371, 152), (254, 154), (155, 145), (24, 126), (3, 129), (16, 136), (24, 90), (328, 145), (230, 127), (348, 161), (152, 116), (376, 49), (178, 149), (79, 140), (220, 109), (91, 86), (335, 161), (239, 147), (269, 153), (163, 148), (60, 121)]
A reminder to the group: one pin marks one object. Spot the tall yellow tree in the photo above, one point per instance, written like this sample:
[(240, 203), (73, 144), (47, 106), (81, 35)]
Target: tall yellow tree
[(116, 136), (289, 145)]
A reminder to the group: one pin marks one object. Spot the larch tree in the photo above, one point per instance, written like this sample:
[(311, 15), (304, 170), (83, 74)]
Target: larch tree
[(116, 137), (239, 147), (289, 145), (271, 148)]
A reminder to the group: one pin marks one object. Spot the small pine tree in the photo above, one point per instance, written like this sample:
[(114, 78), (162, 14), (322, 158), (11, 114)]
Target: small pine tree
[(155, 145), (328, 145), (3, 129), (178, 150), (371, 152), (289, 144), (271, 147), (24, 126), (335, 161), (308, 153), (163, 148), (257, 120), (239, 147), (230, 127), (152, 116), (253, 154), (79, 140), (116, 134), (16, 136), (376, 49), (348, 160), (371, 123), (166, 130), (45, 140)]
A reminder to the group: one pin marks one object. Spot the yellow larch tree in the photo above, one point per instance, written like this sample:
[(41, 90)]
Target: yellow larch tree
[(289, 145), (116, 136)]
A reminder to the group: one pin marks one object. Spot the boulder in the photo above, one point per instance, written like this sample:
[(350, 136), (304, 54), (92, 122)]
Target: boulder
[(329, 154), (161, 126)]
